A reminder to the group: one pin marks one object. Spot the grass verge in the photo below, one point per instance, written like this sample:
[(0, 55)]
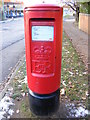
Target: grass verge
[(74, 81)]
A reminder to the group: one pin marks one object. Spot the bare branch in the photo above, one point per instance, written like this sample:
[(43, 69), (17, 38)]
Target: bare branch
[(72, 3), (70, 6)]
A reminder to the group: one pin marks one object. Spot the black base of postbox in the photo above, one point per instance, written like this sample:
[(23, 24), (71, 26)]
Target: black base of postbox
[(43, 105)]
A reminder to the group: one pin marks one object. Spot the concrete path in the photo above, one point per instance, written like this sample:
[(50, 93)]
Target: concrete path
[(79, 39), (12, 45)]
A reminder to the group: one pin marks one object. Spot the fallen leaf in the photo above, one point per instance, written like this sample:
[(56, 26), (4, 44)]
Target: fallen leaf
[(17, 111), (87, 93), (80, 74), (84, 73), (70, 82), (23, 94), (64, 83), (66, 97), (84, 84), (62, 91), (71, 72), (83, 98), (8, 117)]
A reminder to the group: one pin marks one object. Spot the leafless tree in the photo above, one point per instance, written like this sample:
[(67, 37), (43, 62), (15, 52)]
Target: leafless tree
[(74, 6)]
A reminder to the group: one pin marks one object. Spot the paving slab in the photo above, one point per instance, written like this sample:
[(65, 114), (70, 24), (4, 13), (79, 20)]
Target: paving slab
[(79, 39)]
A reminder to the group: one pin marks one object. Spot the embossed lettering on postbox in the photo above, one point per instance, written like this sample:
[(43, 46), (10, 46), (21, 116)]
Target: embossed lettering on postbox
[(42, 60)]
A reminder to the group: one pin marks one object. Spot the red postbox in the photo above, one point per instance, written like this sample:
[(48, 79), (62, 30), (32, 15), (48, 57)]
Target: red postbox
[(43, 41)]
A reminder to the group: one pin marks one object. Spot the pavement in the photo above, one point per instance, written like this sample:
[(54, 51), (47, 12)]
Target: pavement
[(12, 45), (78, 38), (6, 20)]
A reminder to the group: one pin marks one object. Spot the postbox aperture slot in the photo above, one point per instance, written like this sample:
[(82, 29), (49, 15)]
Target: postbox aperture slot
[(42, 29), (42, 19)]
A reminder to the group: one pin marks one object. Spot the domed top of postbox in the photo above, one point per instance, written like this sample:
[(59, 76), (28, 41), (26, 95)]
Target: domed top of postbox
[(41, 7)]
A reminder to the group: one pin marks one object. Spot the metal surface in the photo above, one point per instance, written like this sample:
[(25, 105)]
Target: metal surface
[(42, 7), (44, 104), (43, 58)]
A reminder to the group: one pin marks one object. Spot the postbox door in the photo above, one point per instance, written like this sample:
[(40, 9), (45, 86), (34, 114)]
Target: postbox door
[(42, 48)]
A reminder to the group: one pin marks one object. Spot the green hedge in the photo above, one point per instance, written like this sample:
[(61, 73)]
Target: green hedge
[(85, 7)]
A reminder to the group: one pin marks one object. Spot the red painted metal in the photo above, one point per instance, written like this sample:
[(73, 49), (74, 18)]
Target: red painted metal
[(43, 58)]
